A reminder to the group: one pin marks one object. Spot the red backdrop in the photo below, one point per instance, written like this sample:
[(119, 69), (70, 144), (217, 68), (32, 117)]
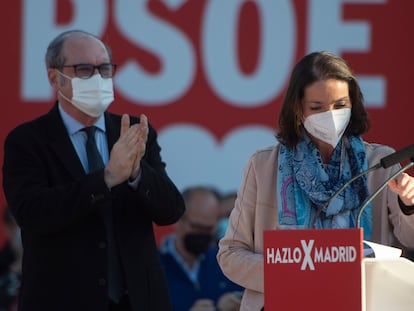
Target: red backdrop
[(374, 36)]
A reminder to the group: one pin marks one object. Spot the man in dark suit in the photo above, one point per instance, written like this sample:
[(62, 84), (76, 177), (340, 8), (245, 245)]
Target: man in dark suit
[(82, 216)]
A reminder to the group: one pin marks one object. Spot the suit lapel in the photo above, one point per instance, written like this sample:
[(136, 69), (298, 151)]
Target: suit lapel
[(61, 145), (113, 128)]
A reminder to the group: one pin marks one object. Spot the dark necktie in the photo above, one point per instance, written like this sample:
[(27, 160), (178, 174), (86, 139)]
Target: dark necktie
[(94, 157), (95, 162)]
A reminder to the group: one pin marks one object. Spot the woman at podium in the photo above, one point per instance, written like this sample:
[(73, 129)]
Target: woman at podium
[(319, 148)]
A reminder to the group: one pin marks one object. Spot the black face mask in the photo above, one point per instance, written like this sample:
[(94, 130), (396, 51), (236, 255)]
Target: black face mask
[(197, 243)]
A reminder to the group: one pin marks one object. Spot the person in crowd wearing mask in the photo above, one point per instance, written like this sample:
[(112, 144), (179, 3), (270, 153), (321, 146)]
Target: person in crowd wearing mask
[(319, 148), (195, 280), (85, 186)]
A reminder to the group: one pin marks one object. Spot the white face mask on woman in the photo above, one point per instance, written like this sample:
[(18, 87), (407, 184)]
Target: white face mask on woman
[(328, 126), (91, 96)]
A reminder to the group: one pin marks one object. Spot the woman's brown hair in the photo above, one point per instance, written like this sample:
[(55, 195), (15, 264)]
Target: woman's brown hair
[(314, 67)]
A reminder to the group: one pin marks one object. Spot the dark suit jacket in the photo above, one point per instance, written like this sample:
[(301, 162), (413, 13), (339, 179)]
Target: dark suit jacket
[(55, 203)]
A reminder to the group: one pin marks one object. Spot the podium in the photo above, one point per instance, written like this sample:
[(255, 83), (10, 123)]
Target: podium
[(389, 284), (325, 269)]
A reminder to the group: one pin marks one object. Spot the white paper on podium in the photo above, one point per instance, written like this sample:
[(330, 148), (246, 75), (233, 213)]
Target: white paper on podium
[(380, 251), (389, 284)]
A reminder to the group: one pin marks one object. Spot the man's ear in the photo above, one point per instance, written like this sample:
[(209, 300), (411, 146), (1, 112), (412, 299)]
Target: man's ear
[(53, 77)]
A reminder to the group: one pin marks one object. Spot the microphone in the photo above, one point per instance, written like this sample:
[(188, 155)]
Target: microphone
[(385, 162), (384, 184), (396, 157)]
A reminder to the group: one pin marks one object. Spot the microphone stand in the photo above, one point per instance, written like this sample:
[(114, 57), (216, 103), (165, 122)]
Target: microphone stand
[(325, 205), (385, 183)]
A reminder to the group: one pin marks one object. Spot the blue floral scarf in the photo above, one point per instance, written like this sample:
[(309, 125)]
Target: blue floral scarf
[(305, 183)]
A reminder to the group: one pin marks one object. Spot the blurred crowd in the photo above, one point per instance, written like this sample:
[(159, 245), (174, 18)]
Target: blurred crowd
[(10, 264)]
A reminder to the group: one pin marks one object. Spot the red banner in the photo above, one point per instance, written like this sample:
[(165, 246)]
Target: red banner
[(211, 74), (313, 269)]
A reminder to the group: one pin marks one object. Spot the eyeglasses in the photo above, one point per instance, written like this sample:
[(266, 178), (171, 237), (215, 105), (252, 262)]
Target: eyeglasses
[(85, 71)]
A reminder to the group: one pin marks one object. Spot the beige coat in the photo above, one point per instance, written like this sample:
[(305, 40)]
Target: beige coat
[(240, 253)]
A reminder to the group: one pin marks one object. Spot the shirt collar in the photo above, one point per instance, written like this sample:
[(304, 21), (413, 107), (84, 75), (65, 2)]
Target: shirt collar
[(168, 246), (73, 126)]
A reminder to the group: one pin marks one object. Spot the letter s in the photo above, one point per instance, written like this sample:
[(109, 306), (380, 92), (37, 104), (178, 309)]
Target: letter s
[(168, 43)]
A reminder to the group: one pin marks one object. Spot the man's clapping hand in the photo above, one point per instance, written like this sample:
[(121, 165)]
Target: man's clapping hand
[(126, 154)]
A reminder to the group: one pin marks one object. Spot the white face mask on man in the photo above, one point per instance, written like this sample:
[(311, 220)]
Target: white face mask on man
[(91, 96), (328, 126)]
